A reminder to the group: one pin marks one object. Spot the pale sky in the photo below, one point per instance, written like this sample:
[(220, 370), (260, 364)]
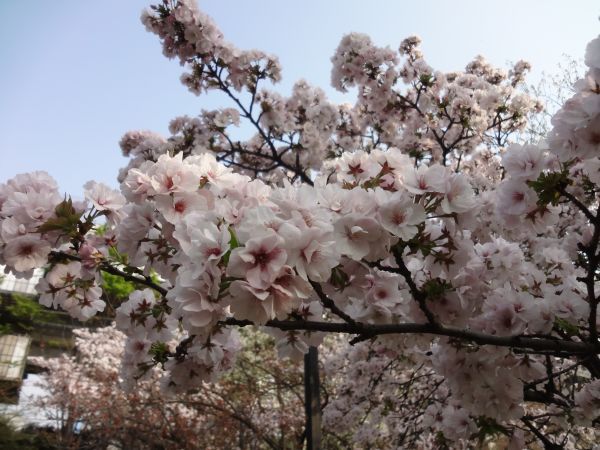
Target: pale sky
[(77, 74)]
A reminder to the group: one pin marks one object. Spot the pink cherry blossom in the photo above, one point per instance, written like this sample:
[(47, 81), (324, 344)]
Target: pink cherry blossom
[(458, 263), (424, 179), (259, 261), (356, 235), (26, 252), (103, 197), (400, 215)]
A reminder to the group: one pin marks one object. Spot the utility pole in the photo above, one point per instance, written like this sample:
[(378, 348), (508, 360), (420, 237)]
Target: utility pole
[(312, 400)]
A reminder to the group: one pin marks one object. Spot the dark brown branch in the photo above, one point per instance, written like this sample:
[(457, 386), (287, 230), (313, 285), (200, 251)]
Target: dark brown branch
[(146, 281), (548, 445), (579, 205), (248, 115), (418, 295), (531, 395), (590, 282), (593, 261), (371, 330), (329, 304), (108, 268), (554, 374)]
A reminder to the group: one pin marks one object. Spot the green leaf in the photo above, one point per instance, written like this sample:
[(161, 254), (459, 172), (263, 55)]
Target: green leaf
[(549, 186), (66, 220), (116, 287), (224, 286), (565, 326), (339, 278), (159, 352), (233, 242), (436, 288), (426, 79), (488, 427)]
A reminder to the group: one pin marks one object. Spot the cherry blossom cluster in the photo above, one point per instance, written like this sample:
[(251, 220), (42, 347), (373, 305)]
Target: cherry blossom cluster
[(245, 249), (402, 102), (413, 219), (35, 219), (370, 414), (193, 38), (442, 117), (27, 201)]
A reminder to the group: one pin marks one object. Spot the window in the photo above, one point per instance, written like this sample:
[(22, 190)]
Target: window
[(13, 354)]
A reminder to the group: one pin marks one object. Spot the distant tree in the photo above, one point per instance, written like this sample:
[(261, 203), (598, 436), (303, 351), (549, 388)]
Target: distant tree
[(19, 313), (258, 404), (554, 89)]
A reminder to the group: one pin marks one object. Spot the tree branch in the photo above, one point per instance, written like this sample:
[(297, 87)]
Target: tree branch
[(579, 205), (248, 115), (329, 304), (108, 268), (418, 295), (371, 330)]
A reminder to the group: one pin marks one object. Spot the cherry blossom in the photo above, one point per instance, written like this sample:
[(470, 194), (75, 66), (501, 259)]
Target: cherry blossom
[(416, 221)]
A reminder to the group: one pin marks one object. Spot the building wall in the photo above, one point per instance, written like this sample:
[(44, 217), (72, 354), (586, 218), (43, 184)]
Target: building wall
[(10, 283)]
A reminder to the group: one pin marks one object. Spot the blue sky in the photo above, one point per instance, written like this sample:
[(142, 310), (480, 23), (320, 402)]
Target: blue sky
[(77, 74)]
